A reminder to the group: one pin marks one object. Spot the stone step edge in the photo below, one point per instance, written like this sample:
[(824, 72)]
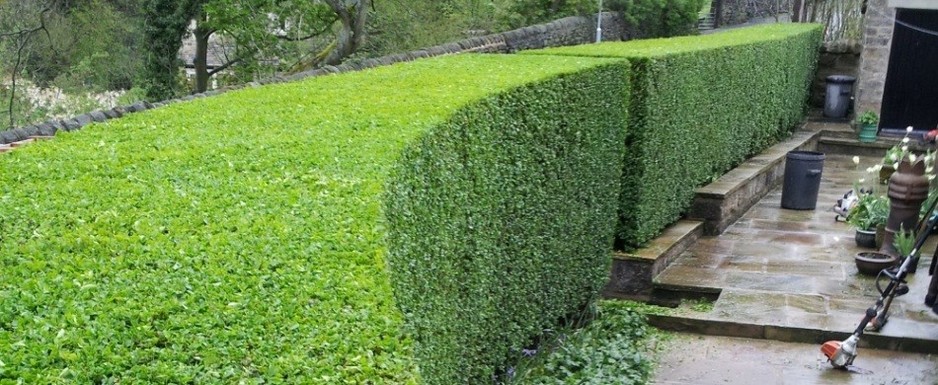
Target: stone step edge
[(632, 273), (783, 333), (852, 146), (721, 203)]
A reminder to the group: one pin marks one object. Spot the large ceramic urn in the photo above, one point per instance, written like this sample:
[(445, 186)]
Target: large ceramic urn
[(908, 188)]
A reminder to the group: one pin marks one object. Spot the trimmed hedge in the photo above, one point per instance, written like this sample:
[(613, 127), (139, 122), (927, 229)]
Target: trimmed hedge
[(241, 238), (699, 106), (501, 220)]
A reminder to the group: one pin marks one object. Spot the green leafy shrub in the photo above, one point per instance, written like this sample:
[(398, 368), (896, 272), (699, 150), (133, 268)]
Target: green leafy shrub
[(612, 349), (501, 220), (241, 238), (699, 106), (659, 18)]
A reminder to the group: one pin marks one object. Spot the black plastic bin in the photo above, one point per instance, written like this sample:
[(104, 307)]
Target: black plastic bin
[(838, 93), (802, 179)]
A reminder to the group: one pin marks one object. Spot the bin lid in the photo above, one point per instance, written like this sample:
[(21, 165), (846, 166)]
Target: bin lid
[(805, 155), (842, 79)]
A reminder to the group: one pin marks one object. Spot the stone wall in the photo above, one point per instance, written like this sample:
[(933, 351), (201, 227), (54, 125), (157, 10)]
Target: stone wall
[(733, 12), (877, 39), (839, 58), (566, 31)]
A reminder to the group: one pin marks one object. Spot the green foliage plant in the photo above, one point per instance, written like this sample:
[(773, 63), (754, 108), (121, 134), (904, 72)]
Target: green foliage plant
[(904, 241), (615, 348), (871, 210), (699, 106), (659, 18), (273, 234), (868, 118)]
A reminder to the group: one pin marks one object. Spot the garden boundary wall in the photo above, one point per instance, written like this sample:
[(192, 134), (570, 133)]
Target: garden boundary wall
[(836, 58)]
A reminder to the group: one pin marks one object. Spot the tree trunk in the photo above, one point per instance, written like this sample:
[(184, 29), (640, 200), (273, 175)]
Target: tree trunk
[(352, 35), (201, 58)]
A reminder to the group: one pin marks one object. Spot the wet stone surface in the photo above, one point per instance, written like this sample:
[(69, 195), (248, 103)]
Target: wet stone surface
[(792, 271), (688, 359)]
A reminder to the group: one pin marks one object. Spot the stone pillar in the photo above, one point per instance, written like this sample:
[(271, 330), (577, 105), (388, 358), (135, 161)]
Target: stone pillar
[(878, 26)]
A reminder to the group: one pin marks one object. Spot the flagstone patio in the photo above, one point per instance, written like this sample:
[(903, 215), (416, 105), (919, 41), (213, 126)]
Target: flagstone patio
[(789, 275)]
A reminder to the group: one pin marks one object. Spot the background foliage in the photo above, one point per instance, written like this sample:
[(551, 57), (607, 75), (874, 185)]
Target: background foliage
[(136, 42), (699, 106)]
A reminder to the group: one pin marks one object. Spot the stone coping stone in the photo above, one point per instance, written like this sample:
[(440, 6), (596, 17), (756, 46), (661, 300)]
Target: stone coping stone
[(21, 142), (632, 273), (852, 146), (722, 202)]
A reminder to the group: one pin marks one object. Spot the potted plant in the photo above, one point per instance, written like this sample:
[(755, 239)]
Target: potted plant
[(868, 122), (872, 262), (866, 215), (893, 156)]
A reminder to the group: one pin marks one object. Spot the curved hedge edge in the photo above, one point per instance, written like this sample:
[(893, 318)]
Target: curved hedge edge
[(501, 220)]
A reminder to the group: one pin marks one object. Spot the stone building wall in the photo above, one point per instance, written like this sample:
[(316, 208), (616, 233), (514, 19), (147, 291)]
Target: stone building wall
[(874, 61)]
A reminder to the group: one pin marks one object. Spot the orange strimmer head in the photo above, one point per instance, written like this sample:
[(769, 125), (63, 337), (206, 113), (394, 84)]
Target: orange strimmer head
[(841, 354), (830, 348)]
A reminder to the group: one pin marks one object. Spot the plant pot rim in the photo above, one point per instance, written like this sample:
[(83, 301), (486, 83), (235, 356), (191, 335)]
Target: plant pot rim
[(868, 263), (863, 256)]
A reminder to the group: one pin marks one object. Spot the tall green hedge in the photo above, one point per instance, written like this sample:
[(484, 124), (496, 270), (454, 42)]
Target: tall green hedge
[(699, 106), (501, 220), (241, 238)]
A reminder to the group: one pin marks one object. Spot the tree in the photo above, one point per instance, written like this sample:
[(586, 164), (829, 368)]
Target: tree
[(331, 30), (166, 22), (262, 44), (21, 23)]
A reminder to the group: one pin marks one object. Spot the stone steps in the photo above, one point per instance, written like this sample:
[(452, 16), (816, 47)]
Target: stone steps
[(771, 273), (715, 207)]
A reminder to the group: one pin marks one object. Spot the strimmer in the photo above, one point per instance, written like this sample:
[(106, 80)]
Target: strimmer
[(841, 353)]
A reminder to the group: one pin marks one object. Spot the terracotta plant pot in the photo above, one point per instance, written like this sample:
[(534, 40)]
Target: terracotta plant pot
[(908, 189), (872, 262)]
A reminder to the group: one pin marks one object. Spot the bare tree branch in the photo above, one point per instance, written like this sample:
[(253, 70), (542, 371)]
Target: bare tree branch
[(22, 38), (312, 35), (223, 66)]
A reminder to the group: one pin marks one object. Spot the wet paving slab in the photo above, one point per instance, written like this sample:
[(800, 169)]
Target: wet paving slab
[(790, 274), (687, 359)]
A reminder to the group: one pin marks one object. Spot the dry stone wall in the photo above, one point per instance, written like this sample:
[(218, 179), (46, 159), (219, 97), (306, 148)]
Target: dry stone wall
[(735, 12), (836, 58)]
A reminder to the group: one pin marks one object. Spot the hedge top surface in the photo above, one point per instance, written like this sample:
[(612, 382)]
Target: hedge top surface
[(226, 239), (683, 44)]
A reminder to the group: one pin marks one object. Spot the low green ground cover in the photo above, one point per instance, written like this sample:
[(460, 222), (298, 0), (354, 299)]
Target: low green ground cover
[(242, 239), (699, 106), (616, 347)]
